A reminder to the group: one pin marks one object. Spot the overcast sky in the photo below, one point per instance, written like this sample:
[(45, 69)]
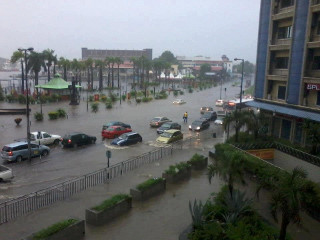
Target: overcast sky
[(185, 27)]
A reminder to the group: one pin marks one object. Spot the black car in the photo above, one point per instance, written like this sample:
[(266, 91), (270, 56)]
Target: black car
[(77, 139), (127, 139), (199, 125), (210, 116), (115, 123), (167, 126)]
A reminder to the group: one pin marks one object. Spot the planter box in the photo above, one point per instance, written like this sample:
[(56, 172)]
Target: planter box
[(101, 217), (75, 231), (200, 165), (181, 175), (148, 193)]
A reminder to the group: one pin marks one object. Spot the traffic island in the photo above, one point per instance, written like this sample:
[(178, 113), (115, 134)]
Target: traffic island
[(178, 172), (148, 189), (109, 209), (198, 162), (71, 229)]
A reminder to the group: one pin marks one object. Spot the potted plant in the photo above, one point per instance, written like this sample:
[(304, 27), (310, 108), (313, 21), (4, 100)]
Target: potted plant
[(148, 188), (38, 116), (177, 172), (109, 209), (198, 162), (17, 121)]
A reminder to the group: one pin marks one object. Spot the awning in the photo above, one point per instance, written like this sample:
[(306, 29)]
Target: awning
[(56, 83), (299, 113)]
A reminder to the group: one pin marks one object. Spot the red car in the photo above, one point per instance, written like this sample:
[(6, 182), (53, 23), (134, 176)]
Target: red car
[(114, 131)]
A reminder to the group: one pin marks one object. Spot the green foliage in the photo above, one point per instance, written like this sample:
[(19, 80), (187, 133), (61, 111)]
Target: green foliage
[(108, 105), (11, 98), (111, 202), (138, 100), (103, 98), (190, 90), (203, 69), (32, 100), (175, 169), (133, 93), (113, 97), (147, 99), (95, 107), (175, 93), (53, 115), (248, 67), (196, 158), (91, 98), (55, 97), (57, 227), (1, 93), (181, 92), (123, 97), (168, 57), (196, 211), (62, 113), (150, 182), (38, 116), (140, 94), (211, 230), (22, 99), (161, 95)]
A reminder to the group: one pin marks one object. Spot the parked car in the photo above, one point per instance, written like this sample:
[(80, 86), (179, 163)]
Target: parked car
[(5, 173), (114, 131), (18, 151), (115, 123), (219, 120), (219, 103), (170, 136), (199, 125), (168, 126), (205, 109), (127, 139), (210, 116), (158, 121), (42, 138), (76, 139), (179, 101)]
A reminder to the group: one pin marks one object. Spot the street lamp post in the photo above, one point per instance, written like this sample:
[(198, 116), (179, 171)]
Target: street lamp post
[(27, 88), (241, 59)]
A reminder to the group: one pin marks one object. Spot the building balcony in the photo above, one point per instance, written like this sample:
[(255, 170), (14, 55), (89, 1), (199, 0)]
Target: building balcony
[(312, 75), (283, 13), (282, 78), (315, 2), (315, 80)]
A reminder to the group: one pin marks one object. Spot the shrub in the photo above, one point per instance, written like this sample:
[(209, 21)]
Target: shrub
[(38, 116), (95, 107), (103, 98), (11, 98), (150, 182), (138, 100), (53, 115), (190, 90), (140, 94), (43, 98), (145, 99), (123, 97), (175, 93), (113, 97), (175, 169), (111, 202), (61, 112), (32, 100), (196, 158), (1, 93), (181, 92), (91, 98), (22, 99), (55, 97), (133, 93), (57, 227), (108, 105)]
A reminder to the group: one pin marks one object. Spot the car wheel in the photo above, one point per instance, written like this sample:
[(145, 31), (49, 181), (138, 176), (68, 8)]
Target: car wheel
[(44, 153), (56, 142), (19, 159), (75, 145)]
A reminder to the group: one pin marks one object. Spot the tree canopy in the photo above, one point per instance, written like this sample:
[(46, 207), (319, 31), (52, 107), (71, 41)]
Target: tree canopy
[(248, 67), (168, 56)]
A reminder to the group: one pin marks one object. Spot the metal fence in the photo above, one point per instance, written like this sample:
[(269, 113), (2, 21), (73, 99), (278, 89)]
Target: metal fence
[(283, 148), (20, 206)]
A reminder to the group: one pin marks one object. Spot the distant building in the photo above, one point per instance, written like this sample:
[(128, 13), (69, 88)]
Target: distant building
[(195, 63), (125, 55)]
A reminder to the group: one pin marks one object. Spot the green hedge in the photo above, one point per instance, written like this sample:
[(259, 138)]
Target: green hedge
[(57, 227), (111, 202), (38, 116), (53, 115), (150, 182), (62, 113), (196, 158), (175, 169)]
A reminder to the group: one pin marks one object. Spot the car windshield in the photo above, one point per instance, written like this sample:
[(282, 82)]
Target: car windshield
[(156, 119), (207, 114), (123, 136), (220, 118), (166, 135), (196, 123), (110, 129), (6, 149), (166, 125), (203, 108)]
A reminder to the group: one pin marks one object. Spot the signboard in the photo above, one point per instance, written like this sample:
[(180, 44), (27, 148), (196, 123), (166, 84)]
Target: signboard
[(266, 154), (313, 86)]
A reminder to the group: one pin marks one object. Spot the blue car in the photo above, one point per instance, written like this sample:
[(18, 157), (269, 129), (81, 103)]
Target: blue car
[(127, 139)]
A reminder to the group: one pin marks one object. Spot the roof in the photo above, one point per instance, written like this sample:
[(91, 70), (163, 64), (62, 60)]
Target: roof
[(56, 83), (299, 113)]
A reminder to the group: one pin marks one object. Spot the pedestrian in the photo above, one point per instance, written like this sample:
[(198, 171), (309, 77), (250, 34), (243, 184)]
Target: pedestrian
[(185, 117)]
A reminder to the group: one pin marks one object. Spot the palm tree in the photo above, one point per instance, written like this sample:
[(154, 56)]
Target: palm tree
[(82, 68), (118, 61), (49, 57), (148, 67), (55, 61), (135, 63), (65, 64), (75, 68), (89, 63), (238, 118), (16, 56), (254, 122), (230, 168), (108, 63), (100, 64), (35, 63), (288, 195), (312, 130)]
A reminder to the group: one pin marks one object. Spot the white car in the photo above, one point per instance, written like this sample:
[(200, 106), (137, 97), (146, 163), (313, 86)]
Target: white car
[(179, 101), (44, 138), (219, 103), (219, 120)]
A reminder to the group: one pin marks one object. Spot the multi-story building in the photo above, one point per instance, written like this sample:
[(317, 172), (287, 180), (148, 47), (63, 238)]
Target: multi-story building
[(287, 85), (125, 55)]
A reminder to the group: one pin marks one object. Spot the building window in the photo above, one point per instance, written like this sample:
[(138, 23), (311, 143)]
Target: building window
[(318, 98), (282, 92), (285, 32), (282, 62), (298, 133), (316, 63), (287, 3), (285, 129)]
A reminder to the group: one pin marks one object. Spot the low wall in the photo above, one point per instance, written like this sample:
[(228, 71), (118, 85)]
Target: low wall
[(148, 193)]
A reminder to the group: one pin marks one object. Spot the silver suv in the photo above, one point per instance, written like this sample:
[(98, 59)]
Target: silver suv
[(19, 150)]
